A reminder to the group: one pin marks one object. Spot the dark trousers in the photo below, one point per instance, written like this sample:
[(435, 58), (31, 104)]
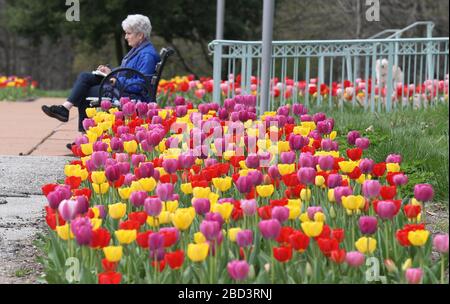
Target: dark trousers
[(86, 85)]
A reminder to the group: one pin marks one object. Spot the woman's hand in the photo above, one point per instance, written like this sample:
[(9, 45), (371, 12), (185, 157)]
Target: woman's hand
[(113, 81), (104, 69)]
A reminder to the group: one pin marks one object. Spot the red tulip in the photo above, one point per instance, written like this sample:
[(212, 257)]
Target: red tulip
[(109, 266), (109, 277), (338, 256), (388, 192), (265, 212), (338, 234), (327, 245), (140, 217), (142, 238), (100, 238), (354, 154), (379, 169), (282, 254), (285, 232), (175, 259), (130, 225), (299, 241), (46, 189), (412, 211)]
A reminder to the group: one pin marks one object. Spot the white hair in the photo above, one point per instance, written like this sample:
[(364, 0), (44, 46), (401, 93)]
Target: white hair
[(138, 24)]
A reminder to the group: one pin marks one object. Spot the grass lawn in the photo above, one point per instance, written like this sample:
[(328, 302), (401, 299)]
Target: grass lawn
[(420, 136)]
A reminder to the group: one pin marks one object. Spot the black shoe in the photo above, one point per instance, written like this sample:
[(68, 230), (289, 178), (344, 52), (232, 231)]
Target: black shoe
[(69, 146), (58, 112)]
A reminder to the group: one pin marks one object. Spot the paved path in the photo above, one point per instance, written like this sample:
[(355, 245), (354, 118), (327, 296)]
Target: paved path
[(40, 140), (26, 130)]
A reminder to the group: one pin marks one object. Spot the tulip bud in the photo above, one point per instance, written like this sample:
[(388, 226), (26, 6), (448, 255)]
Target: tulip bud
[(390, 265)]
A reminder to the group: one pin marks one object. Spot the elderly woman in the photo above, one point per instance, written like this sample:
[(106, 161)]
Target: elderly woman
[(142, 57)]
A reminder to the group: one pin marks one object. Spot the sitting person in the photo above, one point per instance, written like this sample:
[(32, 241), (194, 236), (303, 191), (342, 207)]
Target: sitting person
[(142, 57)]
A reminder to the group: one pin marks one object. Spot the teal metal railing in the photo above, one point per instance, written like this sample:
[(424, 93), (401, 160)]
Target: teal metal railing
[(376, 74)]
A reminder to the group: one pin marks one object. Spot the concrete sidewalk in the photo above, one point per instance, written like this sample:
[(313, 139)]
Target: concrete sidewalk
[(26, 130)]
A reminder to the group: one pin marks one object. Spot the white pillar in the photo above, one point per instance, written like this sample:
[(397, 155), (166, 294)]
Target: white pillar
[(268, 12)]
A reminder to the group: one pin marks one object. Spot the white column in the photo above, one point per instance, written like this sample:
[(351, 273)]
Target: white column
[(268, 12)]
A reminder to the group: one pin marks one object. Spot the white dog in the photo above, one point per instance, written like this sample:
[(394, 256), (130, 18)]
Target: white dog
[(382, 67)]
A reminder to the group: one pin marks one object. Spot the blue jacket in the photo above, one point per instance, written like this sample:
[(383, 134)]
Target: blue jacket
[(142, 58)]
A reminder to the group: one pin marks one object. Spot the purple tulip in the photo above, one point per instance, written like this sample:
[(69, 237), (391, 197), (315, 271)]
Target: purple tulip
[(136, 159), (112, 173), (252, 161), (210, 229), (88, 123), (164, 191), (152, 206), (368, 224), (352, 136), (214, 216), (297, 142), (280, 213), (440, 243), (414, 275), (386, 210), (238, 270), (371, 188), (270, 229), (334, 180), (324, 127), (145, 170), (105, 104), (129, 178), (273, 172), (319, 117), (288, 157), (201, 205), (54, 199), (256, 177), (249, 207), (354, 258), (244, 238), (306, 175), (299, 109), (244, 184), (423, 192), (102, 211), (137, 198), (128, 109), (366, 165), (339, 192), (141, 108), (311, 211), (179, 101), (306, 160), (394, 158), (362, 143), (116, 144), (400, 179), (170, 165), (82, 204), (100, 146), (68, 209), (157, 254), (155, 241), (326, 162), (82, 230)]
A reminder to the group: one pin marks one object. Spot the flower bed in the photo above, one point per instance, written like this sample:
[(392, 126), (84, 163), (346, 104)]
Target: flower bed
[(415, 95), (16, 88), (219, 195)]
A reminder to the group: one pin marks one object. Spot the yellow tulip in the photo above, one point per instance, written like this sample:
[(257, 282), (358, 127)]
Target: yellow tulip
[(96, 223), (170, 206), (117, 211), (183, 217), (353, 202), (91, 112), (87, 149), (392, 167), (366, 245), (319, 181), (165, 217), (199, 238), (225, 210), (283, 146), (113, 253), (130, 146), (294, 212), (201, 192), (64, 232), (347, 166), (101, 188), (198, 252), (96, 212), (319, 217), (312, 229), (124, 193), (125, 236), (418, 237), (223, 184), (265, 190), (148, 184), (331, 197), (186, 188), (407, 264), (305, 194), (213, 198), (286, 169), (304, 217), (232, 233)]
